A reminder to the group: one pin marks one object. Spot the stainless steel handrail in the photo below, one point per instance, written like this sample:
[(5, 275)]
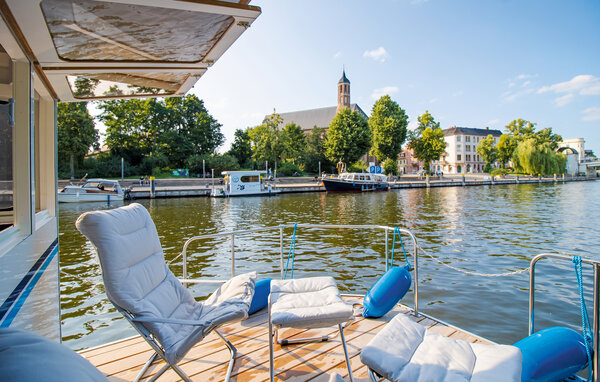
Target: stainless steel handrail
[(596, 327), (232, 234)]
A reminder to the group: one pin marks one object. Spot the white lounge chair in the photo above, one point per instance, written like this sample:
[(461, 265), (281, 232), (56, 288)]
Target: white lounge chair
[(406, 351), (145, 291)]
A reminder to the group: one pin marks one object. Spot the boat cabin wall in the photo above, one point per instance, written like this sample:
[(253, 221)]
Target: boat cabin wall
[(29, 281)]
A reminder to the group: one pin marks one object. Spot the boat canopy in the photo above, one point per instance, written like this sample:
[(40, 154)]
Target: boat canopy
[(86, 49)]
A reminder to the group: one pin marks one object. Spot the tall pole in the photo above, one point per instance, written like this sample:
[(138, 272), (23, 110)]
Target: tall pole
[(203, 170), (319, 169), (267, 167), (122, 166)]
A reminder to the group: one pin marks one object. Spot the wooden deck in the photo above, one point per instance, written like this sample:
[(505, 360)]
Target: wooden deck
[(207, 361)]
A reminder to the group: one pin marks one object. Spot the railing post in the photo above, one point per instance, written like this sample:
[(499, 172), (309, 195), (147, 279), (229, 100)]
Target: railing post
[(596, 319), (531, 295), (184, 262), (416, 276), (281, 251), (232, 255), (387, 261)]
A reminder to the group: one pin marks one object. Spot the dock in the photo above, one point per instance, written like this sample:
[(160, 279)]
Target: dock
[(208, 360), (175, 188)]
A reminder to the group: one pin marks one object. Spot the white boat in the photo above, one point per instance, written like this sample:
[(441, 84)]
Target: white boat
[(243, 183), (93, 190)]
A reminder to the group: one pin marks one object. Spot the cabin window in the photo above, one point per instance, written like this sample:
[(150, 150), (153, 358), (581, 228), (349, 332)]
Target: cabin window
[(249, 178), (6, 144)]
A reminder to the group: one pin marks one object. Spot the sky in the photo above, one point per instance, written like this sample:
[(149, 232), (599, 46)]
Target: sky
[(469, 63)]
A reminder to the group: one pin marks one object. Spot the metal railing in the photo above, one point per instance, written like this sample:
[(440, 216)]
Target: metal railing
[(232, 235), (596, 265)]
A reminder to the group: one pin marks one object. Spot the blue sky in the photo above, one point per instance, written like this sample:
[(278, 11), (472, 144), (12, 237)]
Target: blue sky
[(470, 63)]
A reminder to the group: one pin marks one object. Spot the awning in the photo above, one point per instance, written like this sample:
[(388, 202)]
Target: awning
[(107, 49)]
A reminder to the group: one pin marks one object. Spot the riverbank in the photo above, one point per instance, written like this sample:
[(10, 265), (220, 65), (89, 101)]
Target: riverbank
[(172, 188)]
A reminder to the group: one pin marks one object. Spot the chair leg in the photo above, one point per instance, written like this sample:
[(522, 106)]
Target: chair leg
[(350, 376), (372, 375), (271, 366), (165, 368), (233, 352), (146, 366)]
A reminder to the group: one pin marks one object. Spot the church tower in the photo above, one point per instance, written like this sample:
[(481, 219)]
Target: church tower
[(343, 92)]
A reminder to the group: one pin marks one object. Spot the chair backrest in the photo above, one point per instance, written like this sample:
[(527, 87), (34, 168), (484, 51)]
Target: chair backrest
[(135, 275)]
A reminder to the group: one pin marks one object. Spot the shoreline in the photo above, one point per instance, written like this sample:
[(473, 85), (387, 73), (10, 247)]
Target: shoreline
[(191, 187)]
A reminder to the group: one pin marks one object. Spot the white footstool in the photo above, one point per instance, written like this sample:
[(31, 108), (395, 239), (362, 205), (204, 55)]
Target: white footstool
[(307, 303)]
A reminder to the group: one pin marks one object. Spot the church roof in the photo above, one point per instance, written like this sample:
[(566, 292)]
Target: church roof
[(454, 130), (308, 119), (344, 79)]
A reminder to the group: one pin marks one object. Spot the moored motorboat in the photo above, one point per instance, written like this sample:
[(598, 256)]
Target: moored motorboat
[(93, 190), (356, 182)]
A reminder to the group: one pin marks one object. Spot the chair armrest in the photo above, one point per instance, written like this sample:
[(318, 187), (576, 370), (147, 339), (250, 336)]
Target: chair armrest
[(169, 321)]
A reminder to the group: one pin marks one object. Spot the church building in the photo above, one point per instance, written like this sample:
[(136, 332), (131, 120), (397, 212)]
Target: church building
[(309, 119)]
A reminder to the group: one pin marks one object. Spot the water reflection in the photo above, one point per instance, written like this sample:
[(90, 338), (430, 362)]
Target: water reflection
[(481, 229)]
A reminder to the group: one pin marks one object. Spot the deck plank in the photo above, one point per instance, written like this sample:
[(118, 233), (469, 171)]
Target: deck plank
[(208, 360)]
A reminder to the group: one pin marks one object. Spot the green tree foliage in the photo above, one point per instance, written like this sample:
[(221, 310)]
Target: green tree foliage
[(427, 140), (348, 137), (505, 148), (487, 150), (76, 133), (390, 166), (288, 169), (265, 140), (293, 143), (218, 163), (520, 131), (534, 158), (315, 151), (388, 124), (174, 127), (241, 148)]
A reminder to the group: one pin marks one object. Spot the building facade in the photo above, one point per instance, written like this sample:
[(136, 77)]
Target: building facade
[(461, 150)]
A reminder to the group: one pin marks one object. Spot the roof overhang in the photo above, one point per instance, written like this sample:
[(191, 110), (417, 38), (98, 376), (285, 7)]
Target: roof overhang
[(111, 49)]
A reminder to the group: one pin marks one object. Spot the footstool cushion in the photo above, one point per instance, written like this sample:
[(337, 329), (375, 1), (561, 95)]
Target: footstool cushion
[(306, 303)]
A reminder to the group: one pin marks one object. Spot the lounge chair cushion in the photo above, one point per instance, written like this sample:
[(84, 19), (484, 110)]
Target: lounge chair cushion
[(312, 302), (406, 351), (28, 357), (137, 279)]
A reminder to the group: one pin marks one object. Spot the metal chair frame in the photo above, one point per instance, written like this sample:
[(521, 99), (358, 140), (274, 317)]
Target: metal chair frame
[(273, 333), (159, 352)]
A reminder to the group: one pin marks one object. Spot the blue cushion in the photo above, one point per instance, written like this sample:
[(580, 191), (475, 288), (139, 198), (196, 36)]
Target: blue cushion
[(262, 288), (28, 357)]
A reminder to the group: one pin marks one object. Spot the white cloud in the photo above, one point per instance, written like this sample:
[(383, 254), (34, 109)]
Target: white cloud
[(584, 84), (591, 114), (433, 100), (493, 122), (379, 54), (562, 101), (337, 55), (518, 86), (511, 96), (378, 93)]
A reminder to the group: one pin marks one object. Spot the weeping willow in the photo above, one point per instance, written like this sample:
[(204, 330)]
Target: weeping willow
[(533, 158)]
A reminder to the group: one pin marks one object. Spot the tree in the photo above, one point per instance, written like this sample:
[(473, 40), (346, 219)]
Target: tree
[(241, 148), (265, 140), (175, 127), (315, 151), (293, 142), (217, 162), (534, 158), (348, 137), (521, 129), (76, 133), (388, 123), (427, 140), (487, 150), (505, 148), (390, 166)]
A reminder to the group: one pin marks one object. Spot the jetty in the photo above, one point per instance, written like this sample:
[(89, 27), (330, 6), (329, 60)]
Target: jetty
[(188, 187)]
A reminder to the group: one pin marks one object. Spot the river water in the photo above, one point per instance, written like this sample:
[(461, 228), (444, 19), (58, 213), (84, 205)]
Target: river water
[(487, 229)]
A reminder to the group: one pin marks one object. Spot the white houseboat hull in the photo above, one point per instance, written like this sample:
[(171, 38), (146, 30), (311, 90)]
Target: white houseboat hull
[(87, 197)]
